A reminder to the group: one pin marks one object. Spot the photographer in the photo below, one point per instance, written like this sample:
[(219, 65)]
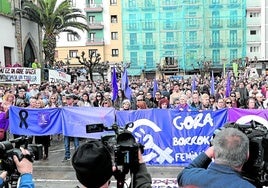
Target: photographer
[(94, 168), (230, 151), (25, 168)]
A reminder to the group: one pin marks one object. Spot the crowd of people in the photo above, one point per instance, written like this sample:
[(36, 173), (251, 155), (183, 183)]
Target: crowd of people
[(170, 94)]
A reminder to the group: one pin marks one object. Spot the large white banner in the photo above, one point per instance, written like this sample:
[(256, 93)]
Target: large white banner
[(56, 76), (16, 75)]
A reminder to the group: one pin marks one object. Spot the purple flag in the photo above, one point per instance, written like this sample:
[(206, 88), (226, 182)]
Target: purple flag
[(125, 86), (228, 85), (155, 87), (193, 84), (114, 85), (212, 85)]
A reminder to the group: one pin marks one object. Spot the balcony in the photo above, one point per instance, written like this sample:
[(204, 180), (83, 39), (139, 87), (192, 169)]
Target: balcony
[(93, 8), (215, 24), (148, 26), (95, 25), (132, 8), (149, 46), (132, 26), (133, 46), (234, 44), (148, 7), (234, 5), (170, 5), (214, 5), (192, 45), (234, 23), (216, 44), (170, 26), (170, 46), (95, 42)]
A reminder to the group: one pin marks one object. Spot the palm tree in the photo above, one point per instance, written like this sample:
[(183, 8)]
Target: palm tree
[(54, 20)]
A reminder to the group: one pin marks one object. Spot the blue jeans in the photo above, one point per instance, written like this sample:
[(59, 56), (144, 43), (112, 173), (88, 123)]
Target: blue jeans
[(67, 145)]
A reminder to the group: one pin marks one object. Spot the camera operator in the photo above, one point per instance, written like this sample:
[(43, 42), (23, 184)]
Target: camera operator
[(230, 150), (25, 168), (94, 168)]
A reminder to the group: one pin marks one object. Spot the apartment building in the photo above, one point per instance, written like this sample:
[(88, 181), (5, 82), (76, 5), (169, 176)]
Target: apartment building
[(173, 36), (257, 32), (104, 37)]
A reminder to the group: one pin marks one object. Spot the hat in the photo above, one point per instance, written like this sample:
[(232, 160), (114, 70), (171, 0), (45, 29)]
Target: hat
[(92, 163), (22, 90)]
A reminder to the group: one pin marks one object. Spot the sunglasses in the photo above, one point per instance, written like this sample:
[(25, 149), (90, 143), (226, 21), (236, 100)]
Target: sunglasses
[(232, 95), (53, 98), (228, 102), (98, 96), (139, 100)]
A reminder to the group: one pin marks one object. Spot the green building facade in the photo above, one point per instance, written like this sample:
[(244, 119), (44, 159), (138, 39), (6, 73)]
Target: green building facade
[(5, 7), (191, 34)]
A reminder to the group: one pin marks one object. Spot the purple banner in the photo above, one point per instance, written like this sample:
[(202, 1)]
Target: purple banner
[(3, 121), (244, 116)]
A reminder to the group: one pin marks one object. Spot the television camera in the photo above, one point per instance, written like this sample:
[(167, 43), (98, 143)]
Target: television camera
[(7, 151), (123, 146), (255, 170)]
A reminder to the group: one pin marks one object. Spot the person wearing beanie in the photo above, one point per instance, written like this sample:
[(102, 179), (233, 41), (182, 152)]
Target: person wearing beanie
[(93, 165)]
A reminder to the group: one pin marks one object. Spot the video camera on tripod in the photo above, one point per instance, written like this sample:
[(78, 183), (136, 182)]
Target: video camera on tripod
[(123, 149), (7, 151)]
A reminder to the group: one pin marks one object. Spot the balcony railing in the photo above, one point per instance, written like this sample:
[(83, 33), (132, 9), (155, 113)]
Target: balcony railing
[(170, 26), (132, 26), (234, 23), (93, 8), (134, 46), (148, 26), (170, 5), (216, 44), (215, 24), (234, 44), (149, 46), (95, 25), (95, 42)]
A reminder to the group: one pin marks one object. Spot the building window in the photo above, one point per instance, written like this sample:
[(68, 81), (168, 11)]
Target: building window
[(91, 19), (92, 37), (71, 37), (113, 18), (254, 14), (73, 3), (93, 52), (254, 49), (115, 52), (73, 53), (114, 35), (113, 2), (253, 32)]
